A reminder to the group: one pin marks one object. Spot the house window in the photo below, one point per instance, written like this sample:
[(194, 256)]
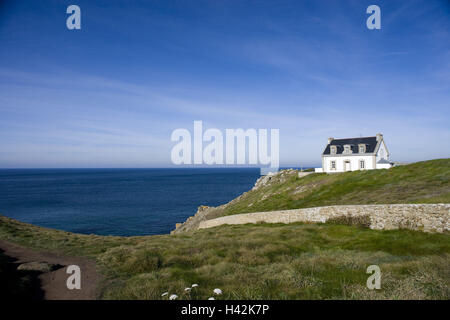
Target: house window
[(347, 149), (333, 149), (362, 164), (333, 165), (362, 149)]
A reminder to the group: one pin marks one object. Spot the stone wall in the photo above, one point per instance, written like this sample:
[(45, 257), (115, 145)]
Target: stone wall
[(423, 217), (304, 173)]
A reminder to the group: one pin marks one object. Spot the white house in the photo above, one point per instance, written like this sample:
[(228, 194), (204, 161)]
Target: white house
[(350, 154)]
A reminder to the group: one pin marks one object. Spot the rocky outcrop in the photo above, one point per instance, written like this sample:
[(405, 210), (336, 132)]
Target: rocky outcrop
[(37, 266), (278, 177), (422, 217), (192, 223), (206, 213)]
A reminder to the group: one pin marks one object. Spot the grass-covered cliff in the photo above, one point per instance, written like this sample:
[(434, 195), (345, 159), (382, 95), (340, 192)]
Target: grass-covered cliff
[(274, 261), (420, 182)]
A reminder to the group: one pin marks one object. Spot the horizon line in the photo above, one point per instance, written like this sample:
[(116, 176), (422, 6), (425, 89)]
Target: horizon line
[(175, 167)]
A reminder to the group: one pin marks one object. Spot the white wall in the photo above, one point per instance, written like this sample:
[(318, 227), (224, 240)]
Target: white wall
[(354, 163), (384, 165), (382, 152)]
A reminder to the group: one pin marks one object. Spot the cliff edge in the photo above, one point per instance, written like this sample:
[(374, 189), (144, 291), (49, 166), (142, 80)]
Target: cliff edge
[(426, 182)]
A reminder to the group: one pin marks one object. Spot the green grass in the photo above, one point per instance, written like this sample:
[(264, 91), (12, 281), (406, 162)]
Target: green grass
[(263, 261), (421, 182), (275, 261)]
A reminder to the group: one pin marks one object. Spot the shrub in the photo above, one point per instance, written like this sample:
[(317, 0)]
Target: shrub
[(349, 220)]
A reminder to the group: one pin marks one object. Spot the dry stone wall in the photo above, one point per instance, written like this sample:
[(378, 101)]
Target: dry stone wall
[(423, 217)]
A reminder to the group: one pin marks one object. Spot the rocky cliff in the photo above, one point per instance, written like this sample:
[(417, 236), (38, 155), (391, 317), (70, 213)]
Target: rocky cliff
[(206, 213), (426, 182)]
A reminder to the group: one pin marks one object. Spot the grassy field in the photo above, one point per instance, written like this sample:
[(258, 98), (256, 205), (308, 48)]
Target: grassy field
[(420, 182), (264, 261), (273, 261)]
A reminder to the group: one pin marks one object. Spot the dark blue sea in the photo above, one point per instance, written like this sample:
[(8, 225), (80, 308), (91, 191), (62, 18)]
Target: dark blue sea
[(117, 201)]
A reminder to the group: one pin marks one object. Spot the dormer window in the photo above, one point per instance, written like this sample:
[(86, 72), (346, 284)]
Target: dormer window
[(347, 149), (362, 148), (333, 149)]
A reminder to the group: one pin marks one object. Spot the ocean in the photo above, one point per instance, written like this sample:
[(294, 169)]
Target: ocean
[(122, 202)]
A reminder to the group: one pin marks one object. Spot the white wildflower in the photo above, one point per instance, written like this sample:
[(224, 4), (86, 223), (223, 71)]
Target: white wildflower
[(217, 291), (194, 285), (173, 297), (211, 298), (187, 289), (164, 294)]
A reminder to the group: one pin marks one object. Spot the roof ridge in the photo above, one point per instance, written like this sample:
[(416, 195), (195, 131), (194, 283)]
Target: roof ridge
[(354, 138)]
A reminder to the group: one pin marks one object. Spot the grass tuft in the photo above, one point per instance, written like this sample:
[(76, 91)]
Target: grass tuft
[(262, 261)]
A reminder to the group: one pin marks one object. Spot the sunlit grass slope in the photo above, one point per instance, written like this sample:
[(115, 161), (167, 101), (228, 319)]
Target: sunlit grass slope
[(295, 261), (420, 182)]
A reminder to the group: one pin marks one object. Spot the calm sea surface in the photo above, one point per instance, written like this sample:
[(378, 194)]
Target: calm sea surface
[(116, 201)]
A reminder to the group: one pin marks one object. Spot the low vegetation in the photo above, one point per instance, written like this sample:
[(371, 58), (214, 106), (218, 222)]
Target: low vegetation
[(420, 182), (263, 261), (274, 261)]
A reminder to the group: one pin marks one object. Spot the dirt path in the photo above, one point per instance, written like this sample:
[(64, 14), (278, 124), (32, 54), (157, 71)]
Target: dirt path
[(53, 283)]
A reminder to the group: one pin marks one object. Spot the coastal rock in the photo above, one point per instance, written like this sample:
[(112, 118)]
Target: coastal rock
[(192, 222), (261, 182), (279, 177), (205, 212), (37, 266), (202, 208)]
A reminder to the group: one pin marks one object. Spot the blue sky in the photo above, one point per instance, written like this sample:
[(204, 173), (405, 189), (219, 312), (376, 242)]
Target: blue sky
[(110, 94)]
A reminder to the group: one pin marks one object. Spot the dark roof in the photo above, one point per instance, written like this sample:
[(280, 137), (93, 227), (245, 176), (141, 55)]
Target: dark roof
[(370, 142)]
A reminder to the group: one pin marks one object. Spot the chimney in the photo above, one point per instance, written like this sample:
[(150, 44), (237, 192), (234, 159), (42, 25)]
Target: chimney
[(379, 136), (330, 139)]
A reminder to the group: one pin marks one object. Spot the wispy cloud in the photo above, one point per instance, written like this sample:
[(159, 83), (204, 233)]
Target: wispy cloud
[(311, 70)]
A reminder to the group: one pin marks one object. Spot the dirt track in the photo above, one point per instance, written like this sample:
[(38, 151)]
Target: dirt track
[(53, 284)]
